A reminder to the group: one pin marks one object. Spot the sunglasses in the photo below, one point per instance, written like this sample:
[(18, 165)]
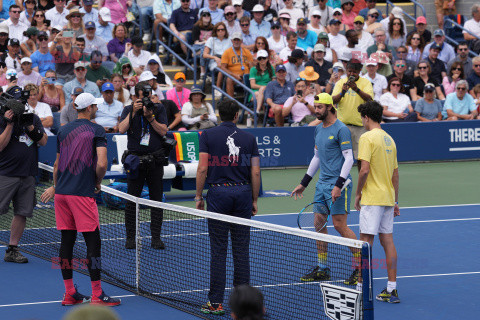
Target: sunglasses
[(230, 14), (3, 34), (80, 69), (459, 69), (261, 58), (337, 14), (421, 68), (462, 88), (243, 25), (395, 84), (96, 61), (55, 31), (220, 29), (275, 27), (373, 15), (258, 43), (184, 1), (39, 16), (15, 11), (397, 24), (430, 90), (477, 65), (464, 49), (300, 79), (358, 22), (316, 17), (180, 80), (400, 65), (75, 16), (125, 67), (401, 52), (415, 38), (30, 2), (205, 14)]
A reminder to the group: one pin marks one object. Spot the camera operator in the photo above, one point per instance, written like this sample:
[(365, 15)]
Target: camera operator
[(20, 135), (146, 125)]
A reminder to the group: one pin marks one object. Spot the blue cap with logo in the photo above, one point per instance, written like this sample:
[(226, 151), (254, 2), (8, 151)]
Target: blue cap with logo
[(107, 86), (280, 67), (90, 25)]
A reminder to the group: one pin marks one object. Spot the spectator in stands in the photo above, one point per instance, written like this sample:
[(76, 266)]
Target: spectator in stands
[(3, 41), (400, 68), (174, 117), (358, 5), (89, 12), (291, 45), (42, 110), (14, 56), (326, 12), (455, 74), (215, 12), (96, 72), (259, 27), (460, 104), (236, 62), (179, 94), (202, 31), (16, 28), (371, 4), (39, 21), (473, 26), (80, 72), (314, 24), (276, 93), (120, 93), (94, 42), (248, 37), (3, 70), (216, 45), (338, 15), (260, 75), (306, 39), (347, 14), (45, 5), (446, 51), (372, 21), (137, 56), (421, 29), (124, 68), (396, 13), (50, 94), (365, 39), (150, 79), (415, 47), (65, 55), (161, 78), (337, 40), (300, 104), (163, 9), (262, 44), (75, 22), (116, 46), (383, 63), (475, 93), (198, 114), (29, 46), (396, 36), (105, 27), (396, 105), (284, 19), (474, 77), (118, 9), (58, 14), (437, 66), (27, 75), (182, 21), (351, 51), (237, 5), (110, 110), (277, 41), (145, 15), (428, 108), (269, 13), (295, 13), (424, 77), (69, 113), (463, 58), (295, 65), (26, 16), (444, 8), (378, 81), (11, 77), (380, 44), (320, 65), (232, 24), (80, 45), (330, 54)]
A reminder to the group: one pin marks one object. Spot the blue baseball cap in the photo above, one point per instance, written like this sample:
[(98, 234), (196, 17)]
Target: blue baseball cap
[(280, 67), (88, 2), (107, 86), (90, 25)]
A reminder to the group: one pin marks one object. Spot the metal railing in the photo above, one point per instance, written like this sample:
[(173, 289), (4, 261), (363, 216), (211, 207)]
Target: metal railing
[(415, 5), (244, 87), (450, 39), (176, 55)]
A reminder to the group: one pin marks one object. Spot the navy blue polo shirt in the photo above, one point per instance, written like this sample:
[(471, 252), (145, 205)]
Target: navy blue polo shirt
[(278, 93), (437, 68), (230, 151), (184, 20), (135, 131), (18, 159)]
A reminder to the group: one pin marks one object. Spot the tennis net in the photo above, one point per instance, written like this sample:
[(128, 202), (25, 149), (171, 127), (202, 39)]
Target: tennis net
[(179, 276)]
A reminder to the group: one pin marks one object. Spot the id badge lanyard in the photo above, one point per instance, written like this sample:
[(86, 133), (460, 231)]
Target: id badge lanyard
[(145, 138), (239, 58), (180, 105)]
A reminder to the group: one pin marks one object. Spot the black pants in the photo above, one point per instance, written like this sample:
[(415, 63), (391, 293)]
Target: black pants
[(154, 178)]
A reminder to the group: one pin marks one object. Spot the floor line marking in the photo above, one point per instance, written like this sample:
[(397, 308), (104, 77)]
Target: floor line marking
[(58, 301)]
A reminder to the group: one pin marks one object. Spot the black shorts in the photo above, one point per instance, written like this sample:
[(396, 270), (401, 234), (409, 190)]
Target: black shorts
[(20, 190)]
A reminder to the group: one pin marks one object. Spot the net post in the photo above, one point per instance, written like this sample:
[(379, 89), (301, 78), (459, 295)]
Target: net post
[(367, 279), (137, 246)]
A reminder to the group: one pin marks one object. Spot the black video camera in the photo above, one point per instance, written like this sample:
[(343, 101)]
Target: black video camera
[(15, 99), (168, 144)]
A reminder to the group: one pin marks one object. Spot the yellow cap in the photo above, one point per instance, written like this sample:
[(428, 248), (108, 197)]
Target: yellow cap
[(323, 98), (359, 18)]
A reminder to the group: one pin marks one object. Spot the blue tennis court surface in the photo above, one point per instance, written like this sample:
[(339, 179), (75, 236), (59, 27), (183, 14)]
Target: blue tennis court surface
[(437, 269)]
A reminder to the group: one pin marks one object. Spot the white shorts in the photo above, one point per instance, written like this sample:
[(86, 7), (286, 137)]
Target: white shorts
[(376, 219)]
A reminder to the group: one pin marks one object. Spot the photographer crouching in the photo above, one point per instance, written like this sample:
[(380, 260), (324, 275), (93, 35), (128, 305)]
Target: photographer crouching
[(146, 125), (21, 132)]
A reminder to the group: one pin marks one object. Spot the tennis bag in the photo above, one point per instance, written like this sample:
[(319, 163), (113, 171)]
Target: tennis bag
[(114, 202)]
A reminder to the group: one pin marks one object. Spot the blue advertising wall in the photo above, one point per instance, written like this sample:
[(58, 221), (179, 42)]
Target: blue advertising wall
[(283, 147)]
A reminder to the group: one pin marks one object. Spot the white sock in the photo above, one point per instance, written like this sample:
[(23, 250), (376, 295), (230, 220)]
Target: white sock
[(391, 285), (359, 287)]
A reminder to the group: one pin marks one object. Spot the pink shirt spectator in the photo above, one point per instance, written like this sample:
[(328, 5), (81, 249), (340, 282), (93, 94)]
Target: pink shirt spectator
[(118, 10), (180, 98), (348, 19), (448, 86), (3, 80), (299, 110)]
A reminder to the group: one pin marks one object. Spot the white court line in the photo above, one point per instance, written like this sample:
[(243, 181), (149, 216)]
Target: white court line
[(418, 207), (58, 301)]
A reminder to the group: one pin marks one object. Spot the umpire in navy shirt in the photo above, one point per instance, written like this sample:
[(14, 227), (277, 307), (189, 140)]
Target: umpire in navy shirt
[(145, 126), (19, 143), (230, 165)]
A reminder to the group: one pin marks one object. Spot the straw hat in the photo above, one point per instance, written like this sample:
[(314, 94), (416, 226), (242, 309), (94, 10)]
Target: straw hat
[(309, 74), (74, 11)]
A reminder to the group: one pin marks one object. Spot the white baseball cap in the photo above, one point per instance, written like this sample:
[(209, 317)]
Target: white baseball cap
[(262, 53), (237, 2), (258, 8), (397, 12), (105, 14), (316, 12), (25, 59), (339, 65), (146, 75), (85, 100), (371, 62)]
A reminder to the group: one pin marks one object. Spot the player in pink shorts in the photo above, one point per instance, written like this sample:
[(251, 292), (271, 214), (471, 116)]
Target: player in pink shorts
[(78, 172)]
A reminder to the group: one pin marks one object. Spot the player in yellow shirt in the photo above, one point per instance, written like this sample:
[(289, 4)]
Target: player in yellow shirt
[(348, 94), (377, 191)]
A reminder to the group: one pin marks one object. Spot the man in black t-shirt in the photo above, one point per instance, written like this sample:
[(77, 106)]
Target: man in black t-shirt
[(436, 65), (174, 118), (400, 66)]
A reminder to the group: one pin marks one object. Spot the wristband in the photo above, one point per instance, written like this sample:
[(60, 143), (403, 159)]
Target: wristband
[(198, 200), (396, 202), (340, 182), (36, 135), (343, 92), (306, 180)]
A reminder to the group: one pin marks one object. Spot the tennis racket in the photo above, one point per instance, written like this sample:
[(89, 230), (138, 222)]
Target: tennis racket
[(312, 216)]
